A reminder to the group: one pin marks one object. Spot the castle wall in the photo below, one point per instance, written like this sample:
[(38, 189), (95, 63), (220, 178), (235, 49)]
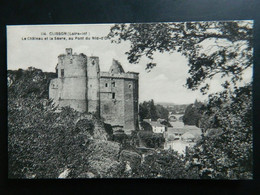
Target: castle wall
[(79, 105), (112, 110), (123, 110), (71, 83), (93, 79), (54, 90), (81, 86), (131, 113)]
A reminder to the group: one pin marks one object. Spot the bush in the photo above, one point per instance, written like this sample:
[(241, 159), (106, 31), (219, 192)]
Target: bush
[(165, 164), (229, 153), (41, 143), (146, 126), (152, 140)]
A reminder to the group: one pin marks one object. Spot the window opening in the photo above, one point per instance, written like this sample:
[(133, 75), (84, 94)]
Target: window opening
[(106, 85), (113, 95), (113, 84), (62, 72)]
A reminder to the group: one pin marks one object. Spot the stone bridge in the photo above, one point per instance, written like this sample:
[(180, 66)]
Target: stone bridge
[(175, 117)]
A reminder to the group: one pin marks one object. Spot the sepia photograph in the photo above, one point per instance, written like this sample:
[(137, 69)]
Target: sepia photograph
[(169, 100)]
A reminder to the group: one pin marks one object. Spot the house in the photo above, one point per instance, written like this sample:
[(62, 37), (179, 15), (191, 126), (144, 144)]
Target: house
[(158, 127), (176, 132), (188, 137)]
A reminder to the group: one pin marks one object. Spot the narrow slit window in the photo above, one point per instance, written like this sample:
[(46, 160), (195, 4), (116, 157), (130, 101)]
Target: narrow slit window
[(106, 85), (62, 72), (130, 86), (113, 96)]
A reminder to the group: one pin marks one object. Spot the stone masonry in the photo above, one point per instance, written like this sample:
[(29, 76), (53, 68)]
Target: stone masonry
[(112, 95)]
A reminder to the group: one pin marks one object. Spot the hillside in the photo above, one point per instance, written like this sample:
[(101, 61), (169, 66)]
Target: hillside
[(28, 83), (45, 144)]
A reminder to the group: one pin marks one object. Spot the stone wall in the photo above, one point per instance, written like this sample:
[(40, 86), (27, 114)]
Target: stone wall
[(70, 88), (112, 108), (93, 85), (81, 85)]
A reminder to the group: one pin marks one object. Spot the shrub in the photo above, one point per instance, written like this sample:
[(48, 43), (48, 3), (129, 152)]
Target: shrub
[(152, 140)]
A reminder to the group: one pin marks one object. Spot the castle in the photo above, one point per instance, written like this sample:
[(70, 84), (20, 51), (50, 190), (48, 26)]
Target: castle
[(112, 95)]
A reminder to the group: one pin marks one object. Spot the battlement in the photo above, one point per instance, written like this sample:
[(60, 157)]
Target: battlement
[(128, 75)]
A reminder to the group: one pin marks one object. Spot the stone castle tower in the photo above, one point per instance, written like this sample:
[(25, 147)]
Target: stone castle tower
[(81, 85)]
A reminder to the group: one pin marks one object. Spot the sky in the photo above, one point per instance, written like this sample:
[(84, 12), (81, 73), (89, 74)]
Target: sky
[(164, 83)]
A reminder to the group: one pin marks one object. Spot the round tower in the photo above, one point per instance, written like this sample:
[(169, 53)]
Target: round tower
[(72, 85)]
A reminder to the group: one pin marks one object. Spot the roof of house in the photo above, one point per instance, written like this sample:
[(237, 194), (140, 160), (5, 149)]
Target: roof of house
[(191, 127), (156, 124), (177, 130), (188, 135)]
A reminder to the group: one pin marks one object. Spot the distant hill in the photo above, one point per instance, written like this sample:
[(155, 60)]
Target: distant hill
[(174, 108)]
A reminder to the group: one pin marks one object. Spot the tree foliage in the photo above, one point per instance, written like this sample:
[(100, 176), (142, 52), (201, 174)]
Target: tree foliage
[(229, 155), (148, 110), (27, 83), (40, 142), (164, 164), (193, 114), (151, 140), (222, 49), (212, 48)]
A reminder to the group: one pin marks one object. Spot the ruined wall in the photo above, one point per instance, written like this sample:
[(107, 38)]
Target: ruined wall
[(123, 109), (93, 84), (112, 106), (71, 84), (81, 85), (131, 104)]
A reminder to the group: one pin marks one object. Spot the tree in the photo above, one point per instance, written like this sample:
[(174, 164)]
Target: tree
[(193, 114), (148, 110), (165, 164), (146, 126), (229, 155), (212, 48), (152, 140)]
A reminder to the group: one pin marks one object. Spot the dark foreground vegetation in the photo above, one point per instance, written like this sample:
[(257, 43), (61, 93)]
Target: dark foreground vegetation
[(43, 143)]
